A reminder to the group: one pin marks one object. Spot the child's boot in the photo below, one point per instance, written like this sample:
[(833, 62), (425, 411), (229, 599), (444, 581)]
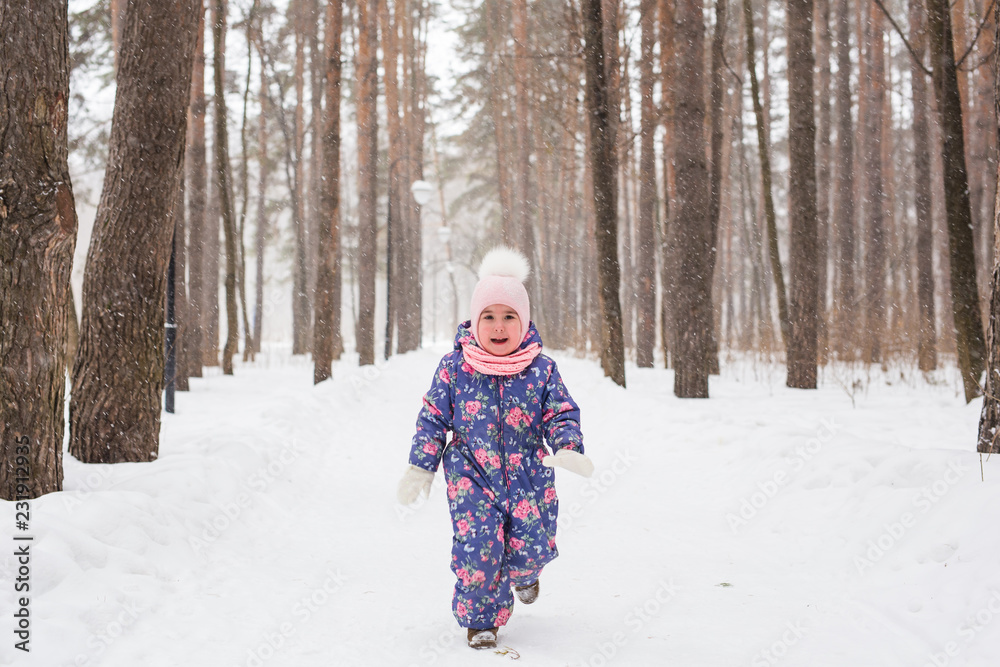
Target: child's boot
[(527, 594), (483, 637)]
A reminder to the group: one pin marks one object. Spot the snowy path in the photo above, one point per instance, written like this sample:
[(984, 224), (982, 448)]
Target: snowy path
[(762, 527)]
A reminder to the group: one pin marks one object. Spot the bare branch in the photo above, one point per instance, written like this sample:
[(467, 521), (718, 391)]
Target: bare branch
[(909, 48)]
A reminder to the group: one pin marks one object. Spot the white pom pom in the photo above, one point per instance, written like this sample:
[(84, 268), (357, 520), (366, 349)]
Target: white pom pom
[(503, 261)]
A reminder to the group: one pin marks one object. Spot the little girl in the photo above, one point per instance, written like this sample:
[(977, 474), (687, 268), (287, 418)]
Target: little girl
[(500, 397)]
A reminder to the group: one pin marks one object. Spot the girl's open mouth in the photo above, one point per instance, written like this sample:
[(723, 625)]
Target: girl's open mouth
[(499, 341)]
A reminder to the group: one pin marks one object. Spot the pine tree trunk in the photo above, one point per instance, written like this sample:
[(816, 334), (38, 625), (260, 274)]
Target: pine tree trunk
[(645, 339), (667, 270), (765, 172), (224, 179), (824, 153), (37, 239), (196, 175), (717, 99), (874, 204), (843, 201), (414, 31), (989, 420), (389, 32), (180, 291), (263, 168), (118, 375), (300, 295), (926, 334), (327, 320), (691, 234), (803, 269), (367, 154), (603, 171), (965, 295)]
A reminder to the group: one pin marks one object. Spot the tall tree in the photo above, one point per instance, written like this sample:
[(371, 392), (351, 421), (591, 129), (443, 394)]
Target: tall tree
[(645, 256), (196, 190), (37, 241), (964, 293), (327, 317), (691, 237), (717, 93), (603, 171), (414, 31), (874, 199), (843, 201), (803, 269), (398, 163), (367, 173), (118, 374), (926, 335), (224, 179), (989, 420), (300, 293), (263, 172), (824, 159), (765, 174)]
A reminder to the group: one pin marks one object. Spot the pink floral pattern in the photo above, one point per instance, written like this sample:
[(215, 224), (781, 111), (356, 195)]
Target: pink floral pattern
[(500, 427)]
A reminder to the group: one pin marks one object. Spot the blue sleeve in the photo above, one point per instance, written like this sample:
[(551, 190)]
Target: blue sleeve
[(435, 418), (561, 418)]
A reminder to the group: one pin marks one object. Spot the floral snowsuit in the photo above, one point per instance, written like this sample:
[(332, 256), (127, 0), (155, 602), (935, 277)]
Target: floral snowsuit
[(502, 499)]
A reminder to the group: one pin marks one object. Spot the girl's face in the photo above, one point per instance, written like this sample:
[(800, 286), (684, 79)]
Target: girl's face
[(499, 330)]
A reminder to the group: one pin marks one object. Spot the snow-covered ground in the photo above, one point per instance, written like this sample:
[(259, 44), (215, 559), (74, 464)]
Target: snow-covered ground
[(847, 526)]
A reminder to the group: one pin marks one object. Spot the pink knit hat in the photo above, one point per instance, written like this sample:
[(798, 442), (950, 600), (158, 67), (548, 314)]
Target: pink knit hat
[(501, 281)]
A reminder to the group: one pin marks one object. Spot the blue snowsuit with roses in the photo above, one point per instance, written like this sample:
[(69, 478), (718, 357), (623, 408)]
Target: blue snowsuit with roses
[(502, 499)]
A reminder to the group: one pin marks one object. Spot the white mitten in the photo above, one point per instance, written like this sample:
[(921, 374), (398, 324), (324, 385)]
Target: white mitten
[(415, 481), (572, 461)]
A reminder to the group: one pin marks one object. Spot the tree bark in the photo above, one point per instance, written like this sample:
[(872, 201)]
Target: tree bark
[(824, 152), (398, 158), (645, 339), (367, 154), (717, 93), (224, 178), (327, 316), (603, 172), (691, 233), (926, 333), (264, 167), (118, 374), (300, 294), (843, 202), (989, 420), (874, 200), (965, 295), (197, 169), (803, 269), (765, 175), (37, 239)]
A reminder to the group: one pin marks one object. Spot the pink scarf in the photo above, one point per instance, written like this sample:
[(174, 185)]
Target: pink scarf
[(512, 364)]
